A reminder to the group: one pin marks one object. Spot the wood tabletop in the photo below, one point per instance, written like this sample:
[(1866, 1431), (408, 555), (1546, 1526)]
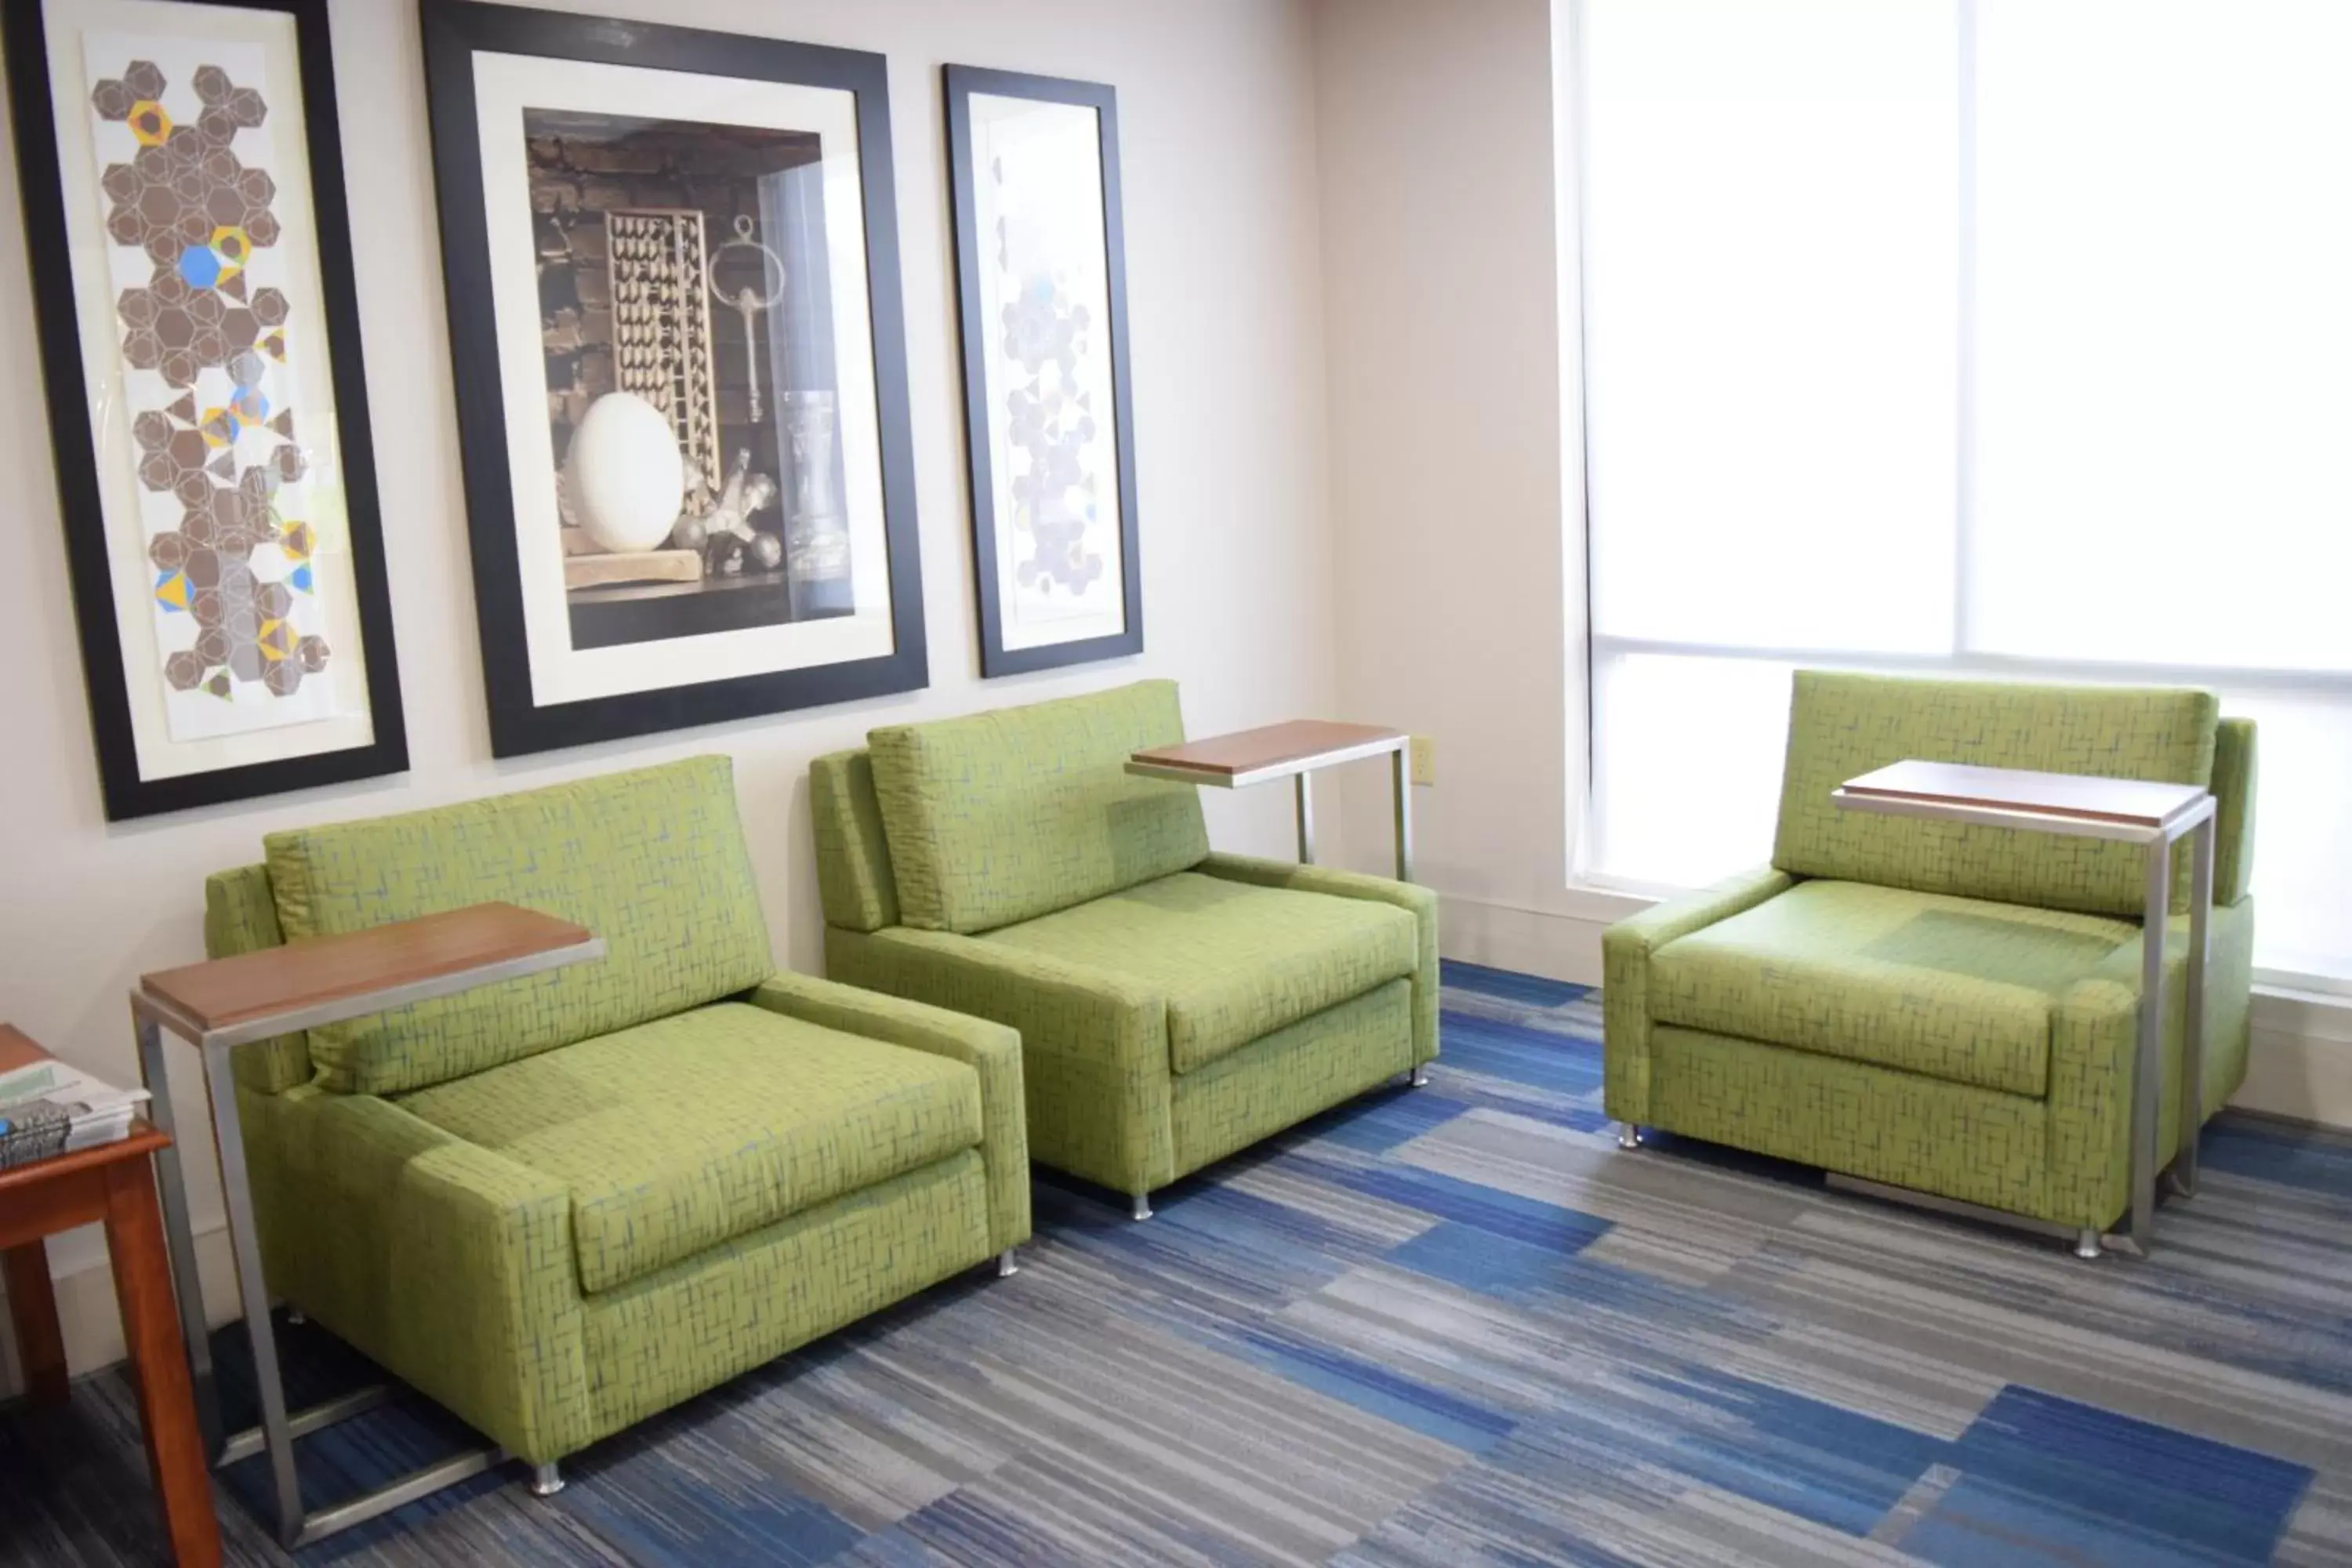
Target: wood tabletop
[(17, 1049), (2139, 803), (327, 969), (143, 1139), (1300, 740)]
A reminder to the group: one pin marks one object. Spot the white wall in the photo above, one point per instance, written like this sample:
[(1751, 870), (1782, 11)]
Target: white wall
[(1456, 475), (1219, 148)]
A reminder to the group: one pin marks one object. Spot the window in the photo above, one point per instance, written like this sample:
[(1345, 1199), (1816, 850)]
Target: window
[(1989, 337)]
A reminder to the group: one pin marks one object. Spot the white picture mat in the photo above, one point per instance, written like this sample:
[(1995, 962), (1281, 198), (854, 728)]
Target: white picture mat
[(1050, 196), (507, 85), (335, 717)]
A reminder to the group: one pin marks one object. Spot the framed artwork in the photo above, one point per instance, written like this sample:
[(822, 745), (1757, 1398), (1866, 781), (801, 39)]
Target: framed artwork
[(673, 278), (1042, 274), (191, 263)]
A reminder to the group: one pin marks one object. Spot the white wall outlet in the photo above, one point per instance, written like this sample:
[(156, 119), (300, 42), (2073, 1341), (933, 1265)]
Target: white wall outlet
[(1424, 760)]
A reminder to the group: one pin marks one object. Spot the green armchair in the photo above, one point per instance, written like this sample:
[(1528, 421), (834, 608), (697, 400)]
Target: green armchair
[(1945, 1008), (1174, 1004), (561, 1203)]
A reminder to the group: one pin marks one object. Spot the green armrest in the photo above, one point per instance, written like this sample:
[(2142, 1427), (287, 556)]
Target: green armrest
[(2094, 1060), (1089, 1039), (991, 1050), (1416, 901), (1625, 950), (452, 1262)]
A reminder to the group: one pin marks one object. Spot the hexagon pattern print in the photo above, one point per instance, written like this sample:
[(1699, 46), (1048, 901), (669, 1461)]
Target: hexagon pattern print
[(225, 480)]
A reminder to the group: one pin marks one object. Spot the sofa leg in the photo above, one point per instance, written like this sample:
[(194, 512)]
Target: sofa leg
[(1418, 1077), (1143, 1207), (2086, 1243), (1629, 1136), (1008, 1263), (546, 1480)]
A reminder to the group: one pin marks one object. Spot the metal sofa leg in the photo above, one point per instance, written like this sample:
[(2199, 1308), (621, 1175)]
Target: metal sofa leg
[(2086, 1243), (1418, 1077), (546, 1480), (1143, 1207), (1008, 1263), (1629, 1136)]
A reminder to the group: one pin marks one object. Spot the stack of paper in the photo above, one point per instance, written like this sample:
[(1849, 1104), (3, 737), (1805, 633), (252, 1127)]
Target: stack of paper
[(47, 1107)]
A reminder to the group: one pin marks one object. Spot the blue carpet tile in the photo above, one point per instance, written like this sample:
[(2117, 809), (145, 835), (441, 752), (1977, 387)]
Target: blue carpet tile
[(1451, 1325)]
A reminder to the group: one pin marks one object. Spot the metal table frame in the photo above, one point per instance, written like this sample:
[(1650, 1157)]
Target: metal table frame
[(1396, 748), (2196, 822), (153, 1016)]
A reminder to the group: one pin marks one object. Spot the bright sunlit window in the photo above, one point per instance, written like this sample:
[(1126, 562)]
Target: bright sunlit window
[(2007, 338)]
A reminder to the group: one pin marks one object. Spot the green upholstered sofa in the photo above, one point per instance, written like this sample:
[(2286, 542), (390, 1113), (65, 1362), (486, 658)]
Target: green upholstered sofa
[(562, 1202), (1174, 1004), (1947, 1008)]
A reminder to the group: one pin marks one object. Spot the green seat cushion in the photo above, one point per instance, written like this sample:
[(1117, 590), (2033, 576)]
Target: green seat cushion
[(677, 1135), (1235, 961), (652, 861), (1956, 989), (1842, 726), (1001, 816)]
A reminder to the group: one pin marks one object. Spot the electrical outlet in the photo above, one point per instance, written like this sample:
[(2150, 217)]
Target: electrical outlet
[(1424, 760)]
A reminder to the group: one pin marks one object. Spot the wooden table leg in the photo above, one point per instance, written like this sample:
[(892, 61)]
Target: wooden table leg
[(150, 1327), (40, 1345)]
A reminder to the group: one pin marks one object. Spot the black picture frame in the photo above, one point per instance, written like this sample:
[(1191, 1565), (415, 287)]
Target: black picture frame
[(454, 32), (124, 793), (960, 83)]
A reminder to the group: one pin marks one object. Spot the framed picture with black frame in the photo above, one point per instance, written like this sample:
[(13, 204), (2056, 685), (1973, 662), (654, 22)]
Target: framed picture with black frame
[(672, 267), (183, 185), (1048, 413)]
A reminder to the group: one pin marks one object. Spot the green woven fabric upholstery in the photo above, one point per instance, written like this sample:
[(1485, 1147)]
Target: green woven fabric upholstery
[(652, 861), (854, 879), (240, 916), (676, 1135), (991, 1050), (1172, 1004), (999, 816), (1231, 960), (1953, 1010), (1841, 726), (579, 1206), (1956, 989), (1417, 901), (1282, 1078), (1627, 949), (2233, 794)]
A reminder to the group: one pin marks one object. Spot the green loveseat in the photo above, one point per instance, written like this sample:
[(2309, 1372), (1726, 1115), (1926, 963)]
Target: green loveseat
[(1944, 1008), (1174, 1004), (562, 1202)]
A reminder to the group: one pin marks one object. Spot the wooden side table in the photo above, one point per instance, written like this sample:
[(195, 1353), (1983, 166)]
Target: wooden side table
[(113, 1185), (1290, 750), (2151, 814), (229, 1002)]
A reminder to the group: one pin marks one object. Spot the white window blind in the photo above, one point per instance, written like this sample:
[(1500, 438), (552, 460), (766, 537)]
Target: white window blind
[(1993, 337)]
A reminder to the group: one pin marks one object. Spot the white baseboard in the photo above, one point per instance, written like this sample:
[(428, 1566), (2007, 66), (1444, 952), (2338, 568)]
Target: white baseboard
[(2298, 1063)]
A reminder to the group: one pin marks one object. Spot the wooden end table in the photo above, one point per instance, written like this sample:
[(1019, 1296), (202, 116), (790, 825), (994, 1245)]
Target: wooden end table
[(229, 1002), (112, 1185), (2129, 811), (1290, 750)]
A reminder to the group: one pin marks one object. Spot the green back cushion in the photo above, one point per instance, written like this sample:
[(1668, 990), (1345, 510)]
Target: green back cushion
[(240, 916), (854, 879), (651, 861), (1843, 725), (1001, 816)]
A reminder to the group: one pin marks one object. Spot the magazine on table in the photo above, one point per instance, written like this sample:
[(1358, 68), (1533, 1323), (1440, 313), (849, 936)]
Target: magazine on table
[(49, 1107)]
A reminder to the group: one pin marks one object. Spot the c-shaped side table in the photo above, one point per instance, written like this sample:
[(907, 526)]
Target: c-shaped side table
[(229, 1002), (2130, 811), (1290, 750)]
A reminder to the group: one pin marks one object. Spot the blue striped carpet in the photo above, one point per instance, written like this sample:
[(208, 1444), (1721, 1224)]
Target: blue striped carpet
[(1449, 1326)]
